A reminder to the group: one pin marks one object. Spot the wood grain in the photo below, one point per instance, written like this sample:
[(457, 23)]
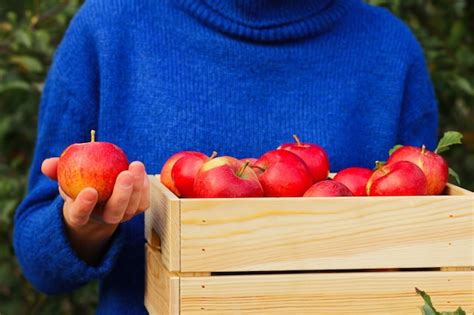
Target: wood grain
[(454, 190), (326, 233), (332, 293), (161, 286), (163, 217)]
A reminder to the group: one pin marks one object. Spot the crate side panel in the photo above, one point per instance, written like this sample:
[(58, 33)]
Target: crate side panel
[(161, 286), (326, 293), (326, 233), (163, 217)]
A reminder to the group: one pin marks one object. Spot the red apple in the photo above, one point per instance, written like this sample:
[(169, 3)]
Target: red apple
[(184, 172), (283, 174), (91, 164), (166, 176), (398, 179), (313, 155), (328, 188), (226, 177), (433, 165), (354, 178)]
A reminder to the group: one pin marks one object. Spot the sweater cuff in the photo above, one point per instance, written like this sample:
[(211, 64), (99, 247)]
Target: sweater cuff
[(63, 261), (88, 272)]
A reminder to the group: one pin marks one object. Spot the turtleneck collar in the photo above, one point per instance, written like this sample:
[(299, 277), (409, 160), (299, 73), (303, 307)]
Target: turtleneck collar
[(269, 20)]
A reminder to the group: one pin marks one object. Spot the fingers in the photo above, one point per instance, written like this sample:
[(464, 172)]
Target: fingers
[(49, 167), (131, 195), (138, 171), (78, 211), (144, 202), (145, 199), (118, 202)]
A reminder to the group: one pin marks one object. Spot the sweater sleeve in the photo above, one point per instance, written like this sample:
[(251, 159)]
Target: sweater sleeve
[(68, 110), (419, 113)]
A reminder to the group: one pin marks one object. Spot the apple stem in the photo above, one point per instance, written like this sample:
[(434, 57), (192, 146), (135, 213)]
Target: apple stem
[(92, 135), (378, 164), (423, 149), (298, 142), (213, 155), (242, 169)]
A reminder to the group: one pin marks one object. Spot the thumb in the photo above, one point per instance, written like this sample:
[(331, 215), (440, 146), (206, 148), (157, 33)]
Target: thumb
[(50, 168), (77, 212)]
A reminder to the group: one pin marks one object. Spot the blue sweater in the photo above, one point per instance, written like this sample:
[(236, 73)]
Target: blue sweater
[(235, 76)]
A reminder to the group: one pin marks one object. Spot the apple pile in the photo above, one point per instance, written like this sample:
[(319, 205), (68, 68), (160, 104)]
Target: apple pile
[(302, 170), (414, 171)]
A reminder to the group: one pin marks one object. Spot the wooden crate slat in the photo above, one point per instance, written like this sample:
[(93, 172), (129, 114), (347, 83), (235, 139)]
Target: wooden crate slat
[(190, 238), (163, 217), (326, 233), (331, 293), (162, 295), (454, 190)]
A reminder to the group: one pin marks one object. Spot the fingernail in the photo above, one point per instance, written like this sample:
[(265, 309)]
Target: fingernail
[(88, 198), (145, 181)]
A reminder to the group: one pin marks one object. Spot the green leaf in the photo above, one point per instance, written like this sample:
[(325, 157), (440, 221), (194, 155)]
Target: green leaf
[(465, 85), (428, 307), (23, 38), (27, 63), (395, 148), (427, 310), (455, 175), (14, 85), (449, 138), (459, 311), (41, 41)]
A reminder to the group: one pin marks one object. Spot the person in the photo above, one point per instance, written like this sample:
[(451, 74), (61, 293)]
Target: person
[(235, 76)]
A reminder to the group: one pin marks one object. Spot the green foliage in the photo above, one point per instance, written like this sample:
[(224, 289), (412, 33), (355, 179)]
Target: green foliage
[(454, 175), (29, 33), (449, 138), (429, 309), (446, 32), (27, 42)]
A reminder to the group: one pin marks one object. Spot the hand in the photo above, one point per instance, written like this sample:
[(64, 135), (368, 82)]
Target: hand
[(89, 233)]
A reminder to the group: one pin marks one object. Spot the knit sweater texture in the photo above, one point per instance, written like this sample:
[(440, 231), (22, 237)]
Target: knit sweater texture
[(234, 76)]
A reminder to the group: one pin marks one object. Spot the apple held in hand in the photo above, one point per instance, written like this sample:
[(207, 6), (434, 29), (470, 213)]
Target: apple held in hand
[(226, 177), (354, 178), (283, 174), (179, 171), (313, 155), (433, 166), (327, 188), (91, 164), (398, 179)]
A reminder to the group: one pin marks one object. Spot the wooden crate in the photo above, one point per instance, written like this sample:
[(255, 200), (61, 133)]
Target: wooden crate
[(308, 255)]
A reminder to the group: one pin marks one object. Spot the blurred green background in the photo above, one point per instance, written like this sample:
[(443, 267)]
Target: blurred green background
[(31, 30)]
